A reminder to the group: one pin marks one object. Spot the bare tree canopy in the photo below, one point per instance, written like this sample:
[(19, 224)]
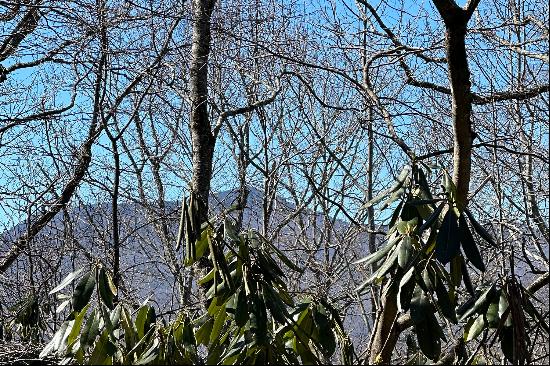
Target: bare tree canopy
[(267, 182)]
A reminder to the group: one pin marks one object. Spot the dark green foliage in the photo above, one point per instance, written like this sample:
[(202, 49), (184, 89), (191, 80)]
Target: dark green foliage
[(83, 291), (425, 288), (251, 318), (448, 243), (469, 246)]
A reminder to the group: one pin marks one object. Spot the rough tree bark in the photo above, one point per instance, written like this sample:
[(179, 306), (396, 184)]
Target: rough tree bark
[(203, 139)]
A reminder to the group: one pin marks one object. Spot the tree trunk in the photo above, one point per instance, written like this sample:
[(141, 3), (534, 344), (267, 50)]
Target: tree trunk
[(456, 20), (202, 137), (386, 332)]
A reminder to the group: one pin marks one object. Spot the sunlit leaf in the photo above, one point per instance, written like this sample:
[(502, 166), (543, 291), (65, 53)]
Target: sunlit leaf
[(105, 291), (83, 291), (202, 335), (75, 331), (405, 250), (481, 303), (144, 319), (66, 281), (406, 289), (474, 329), (397, 186), (492, 315), (376, 256), (103, 350)]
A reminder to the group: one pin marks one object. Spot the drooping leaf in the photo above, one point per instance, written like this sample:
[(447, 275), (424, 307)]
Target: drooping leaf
[(398, 184), (209, 277), (150, 354), (503, 307), (57, 340), (103, 351), (466, 277), (503, 304), (386, 266), (423, 183), (62, 306), (91, 330), (481, 303), (443, 300), (492, 315), (284, 258), (258, 318), (468, 244), (380, 272), (241, 310), (447, 244), (422, 202), (275, 304), (75, 331), (506, 337), (456, 271), (219, 321), (144, 319), (420, 306), (407, 227), (66, 281), (530, 309), (427, 279), (325, 335), (406, 289), (435, 326), (429, 343), (379, 254), (394, 197), (409, 212), (202, 335), (83, 291), (475, 329), (181, 226), (396, 214), (105, 291), (448, 185), (480, 229), (201, 245), (433, 217), (405, 249), (130, 331)]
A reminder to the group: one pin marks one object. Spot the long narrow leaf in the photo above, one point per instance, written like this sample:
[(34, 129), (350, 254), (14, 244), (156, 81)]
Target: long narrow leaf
[(376, 256), (447, 243), (67, 280), (480, 229), (468, 244)]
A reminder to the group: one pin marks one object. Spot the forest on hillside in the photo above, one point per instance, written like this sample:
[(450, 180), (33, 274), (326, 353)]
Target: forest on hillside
[(274, 182)]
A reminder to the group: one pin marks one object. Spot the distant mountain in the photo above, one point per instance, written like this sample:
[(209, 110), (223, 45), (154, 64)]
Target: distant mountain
[(71, 242)]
